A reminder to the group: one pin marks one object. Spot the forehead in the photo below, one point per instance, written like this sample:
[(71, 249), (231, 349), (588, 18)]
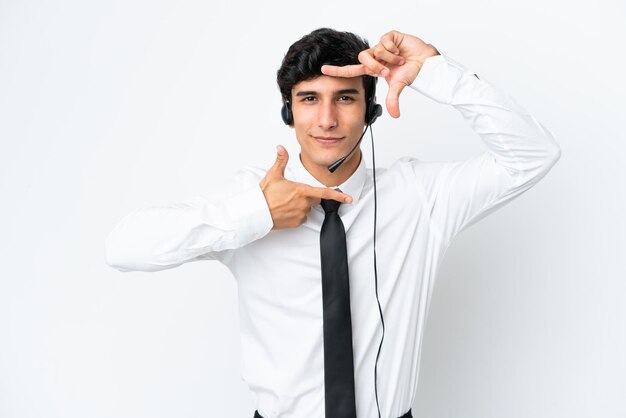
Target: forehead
[(326, 84)]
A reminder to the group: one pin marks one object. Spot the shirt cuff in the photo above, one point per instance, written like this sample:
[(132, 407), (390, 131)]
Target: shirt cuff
[(438, 78), (250, 213)]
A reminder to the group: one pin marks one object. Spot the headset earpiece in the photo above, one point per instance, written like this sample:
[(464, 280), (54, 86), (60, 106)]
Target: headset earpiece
[(373, 111), (286, 114)]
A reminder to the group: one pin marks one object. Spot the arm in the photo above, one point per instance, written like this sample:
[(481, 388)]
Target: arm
[(520, 151), (210, 227), (202, 227)]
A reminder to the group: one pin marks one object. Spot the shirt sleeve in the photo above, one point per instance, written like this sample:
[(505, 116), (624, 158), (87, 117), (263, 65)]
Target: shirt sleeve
[(520, 150), (203, 227)]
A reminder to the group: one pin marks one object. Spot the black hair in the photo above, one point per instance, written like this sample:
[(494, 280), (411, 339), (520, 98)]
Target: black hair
[(304, 59)]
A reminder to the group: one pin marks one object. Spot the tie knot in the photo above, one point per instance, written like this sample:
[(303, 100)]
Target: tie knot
[(330, 205)]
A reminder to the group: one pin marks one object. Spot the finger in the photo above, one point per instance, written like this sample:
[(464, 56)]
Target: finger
[(282, 157), (393, 98), (345, 70), (367, 59), (382, 54), (388, 42), (325, 193)]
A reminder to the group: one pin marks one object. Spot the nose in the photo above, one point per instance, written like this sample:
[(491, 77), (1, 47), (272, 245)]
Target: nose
[(327, 116)]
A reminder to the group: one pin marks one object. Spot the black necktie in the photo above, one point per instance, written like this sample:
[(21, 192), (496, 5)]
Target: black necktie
[(338, 357)]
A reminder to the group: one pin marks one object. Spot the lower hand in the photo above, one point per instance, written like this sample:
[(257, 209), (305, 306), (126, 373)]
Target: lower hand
[(290, 202)]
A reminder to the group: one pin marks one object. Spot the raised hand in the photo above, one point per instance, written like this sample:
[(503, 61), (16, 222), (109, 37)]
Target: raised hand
[(290, 202), (398, 57)]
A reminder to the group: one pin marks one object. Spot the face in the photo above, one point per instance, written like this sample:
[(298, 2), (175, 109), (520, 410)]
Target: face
[(329, 118)]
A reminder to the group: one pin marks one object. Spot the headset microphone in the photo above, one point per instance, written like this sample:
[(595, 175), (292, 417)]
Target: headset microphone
[(340, 161), (373, 111)]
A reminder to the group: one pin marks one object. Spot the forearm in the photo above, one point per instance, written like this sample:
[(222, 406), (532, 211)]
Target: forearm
[(520, 151), (158, 238), (518, 142)]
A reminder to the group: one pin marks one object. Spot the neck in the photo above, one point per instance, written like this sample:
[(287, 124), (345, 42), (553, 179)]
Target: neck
[(340, 175)]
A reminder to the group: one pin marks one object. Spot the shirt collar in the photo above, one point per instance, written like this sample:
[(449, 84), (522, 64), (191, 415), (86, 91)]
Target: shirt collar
[(353, 186)]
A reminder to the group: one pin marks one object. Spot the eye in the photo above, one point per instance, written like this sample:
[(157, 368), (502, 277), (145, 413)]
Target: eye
[(308, 98), (346, 99)]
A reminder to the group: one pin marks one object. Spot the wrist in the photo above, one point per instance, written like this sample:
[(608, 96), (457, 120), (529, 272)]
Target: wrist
[(434, 50), (429, 51)]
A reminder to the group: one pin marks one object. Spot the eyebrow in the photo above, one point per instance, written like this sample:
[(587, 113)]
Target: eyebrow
[(314, 93)]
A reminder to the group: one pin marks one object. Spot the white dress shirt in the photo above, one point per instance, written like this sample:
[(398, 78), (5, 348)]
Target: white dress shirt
[(422, 206)]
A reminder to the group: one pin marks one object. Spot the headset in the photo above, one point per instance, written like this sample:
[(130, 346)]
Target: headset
[(372, 112)]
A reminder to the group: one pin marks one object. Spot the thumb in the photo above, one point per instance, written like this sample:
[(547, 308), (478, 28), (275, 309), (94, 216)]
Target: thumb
[(282, 156), (393, 98)]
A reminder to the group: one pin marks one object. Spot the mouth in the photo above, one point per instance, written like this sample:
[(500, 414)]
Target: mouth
[(328, 139)]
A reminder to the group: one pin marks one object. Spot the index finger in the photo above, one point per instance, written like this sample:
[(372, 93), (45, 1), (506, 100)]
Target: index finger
[(354, 70), (325, 193)]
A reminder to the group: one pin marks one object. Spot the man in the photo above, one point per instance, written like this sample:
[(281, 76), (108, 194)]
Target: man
[(268, 226)]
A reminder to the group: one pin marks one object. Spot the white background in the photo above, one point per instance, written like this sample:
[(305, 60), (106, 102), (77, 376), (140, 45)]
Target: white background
[(106, 106)]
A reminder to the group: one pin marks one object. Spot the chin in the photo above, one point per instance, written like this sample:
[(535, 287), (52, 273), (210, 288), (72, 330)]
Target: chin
[(324, 156), (324, 162), (329, 158)]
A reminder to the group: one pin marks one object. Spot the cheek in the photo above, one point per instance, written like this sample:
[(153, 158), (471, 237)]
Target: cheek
[(357, 117), (301, 131), (299, 125), (301, 120), (357, 122)]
